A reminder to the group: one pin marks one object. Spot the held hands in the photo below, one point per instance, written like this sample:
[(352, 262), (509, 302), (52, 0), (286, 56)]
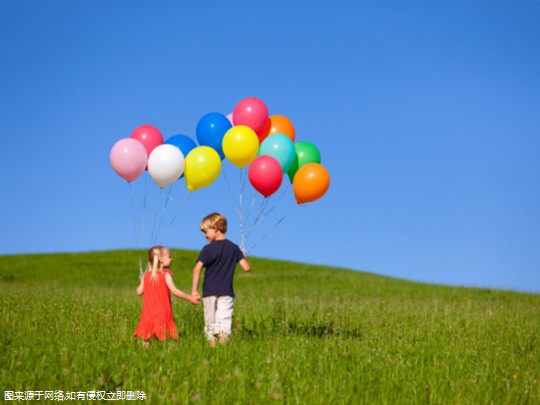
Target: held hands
[(195, 298)]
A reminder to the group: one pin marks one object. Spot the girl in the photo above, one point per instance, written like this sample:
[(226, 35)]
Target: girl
[(155, 287)]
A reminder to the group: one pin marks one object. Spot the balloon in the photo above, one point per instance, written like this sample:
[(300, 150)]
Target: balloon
[(230, 118), (210, 131), (203, 165), (265, 175), (240, 145), (182, 142), (149, 136), (128, 158), (310, 183), (252, 113), (306, 152), (281, 148), (278, 124), (165, 164)]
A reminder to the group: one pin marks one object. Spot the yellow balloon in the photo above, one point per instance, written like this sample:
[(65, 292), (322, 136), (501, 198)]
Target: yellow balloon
[(240, 145), (202, 167)]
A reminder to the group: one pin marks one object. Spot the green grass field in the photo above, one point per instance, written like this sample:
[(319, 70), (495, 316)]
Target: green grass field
[(301, 334)]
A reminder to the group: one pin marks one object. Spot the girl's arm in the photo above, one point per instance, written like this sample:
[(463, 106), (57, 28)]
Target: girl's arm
[(176, 291), (140, 288)]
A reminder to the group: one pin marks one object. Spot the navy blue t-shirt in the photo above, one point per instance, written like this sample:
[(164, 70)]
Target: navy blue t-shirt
[(220, 258)]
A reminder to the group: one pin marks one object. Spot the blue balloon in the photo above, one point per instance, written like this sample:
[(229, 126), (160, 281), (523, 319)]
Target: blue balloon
[(182, 142), (211, 129), (280, 147)]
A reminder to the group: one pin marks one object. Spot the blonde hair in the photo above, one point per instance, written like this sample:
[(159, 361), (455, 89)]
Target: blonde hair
[(154, 254), (214, 221)]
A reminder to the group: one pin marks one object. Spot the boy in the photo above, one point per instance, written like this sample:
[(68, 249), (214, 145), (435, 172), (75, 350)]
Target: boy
[(219, 257)]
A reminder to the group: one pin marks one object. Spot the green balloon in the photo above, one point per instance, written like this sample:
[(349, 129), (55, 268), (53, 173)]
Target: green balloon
[(306, 152)]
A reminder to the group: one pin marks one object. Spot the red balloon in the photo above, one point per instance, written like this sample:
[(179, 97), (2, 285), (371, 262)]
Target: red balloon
[(252, 113), (149, 136), (265, 175)]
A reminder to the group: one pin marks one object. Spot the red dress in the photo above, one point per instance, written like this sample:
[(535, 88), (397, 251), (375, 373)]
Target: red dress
[(156, 316)]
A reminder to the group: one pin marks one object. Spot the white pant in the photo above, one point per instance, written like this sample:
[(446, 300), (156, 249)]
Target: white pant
[(218, 311)]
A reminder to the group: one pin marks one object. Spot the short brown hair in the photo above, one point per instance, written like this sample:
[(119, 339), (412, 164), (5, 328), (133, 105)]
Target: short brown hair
[(214, 221)]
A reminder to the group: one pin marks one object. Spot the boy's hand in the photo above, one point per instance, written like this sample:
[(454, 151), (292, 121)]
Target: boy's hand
[(195, 299)]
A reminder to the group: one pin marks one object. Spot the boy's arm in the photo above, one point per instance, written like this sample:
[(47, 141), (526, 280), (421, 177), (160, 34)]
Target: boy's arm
[(177, 292), (196, 277), (140, 288), (245, 265)]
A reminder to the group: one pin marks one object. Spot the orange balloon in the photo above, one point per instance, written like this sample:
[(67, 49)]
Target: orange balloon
[(310, 183), (278, 124)]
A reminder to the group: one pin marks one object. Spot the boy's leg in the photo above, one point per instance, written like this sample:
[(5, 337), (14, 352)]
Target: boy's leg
[(209, 304), (224, 314)]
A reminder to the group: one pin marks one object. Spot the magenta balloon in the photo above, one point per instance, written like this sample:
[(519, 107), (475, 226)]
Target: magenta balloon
[(149, 136), (265, 175), (128, 158), (252, 113)]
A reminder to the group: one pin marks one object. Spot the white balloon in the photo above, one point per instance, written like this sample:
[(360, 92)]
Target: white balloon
[(166, 164)]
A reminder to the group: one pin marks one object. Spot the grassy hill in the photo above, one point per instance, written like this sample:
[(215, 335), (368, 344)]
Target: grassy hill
[(301, 334)]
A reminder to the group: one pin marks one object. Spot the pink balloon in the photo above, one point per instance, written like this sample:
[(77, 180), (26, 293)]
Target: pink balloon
[(230, 118), (252, 113), (149, 136), (128, 158), (265, 175)]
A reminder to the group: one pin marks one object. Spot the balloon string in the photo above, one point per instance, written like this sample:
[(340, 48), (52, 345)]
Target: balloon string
[(182, 202), (135, 227), (251, 208), (267, 233), (143, 220), (275, 225), (278, 200), (240, 210), (259, 217), (165, 204), (133, 214), (227, 183), (263, 214), (156, 216)]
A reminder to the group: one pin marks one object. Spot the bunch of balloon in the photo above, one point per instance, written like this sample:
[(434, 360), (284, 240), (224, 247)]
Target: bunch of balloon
[(163, 161), (129, 159), (262, 147)]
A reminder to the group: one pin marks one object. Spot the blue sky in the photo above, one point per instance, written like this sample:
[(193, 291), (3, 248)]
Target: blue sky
[(426, 114)]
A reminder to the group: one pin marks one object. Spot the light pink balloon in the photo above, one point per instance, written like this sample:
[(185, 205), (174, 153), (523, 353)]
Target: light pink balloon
[(230, 118), (128, 158)]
